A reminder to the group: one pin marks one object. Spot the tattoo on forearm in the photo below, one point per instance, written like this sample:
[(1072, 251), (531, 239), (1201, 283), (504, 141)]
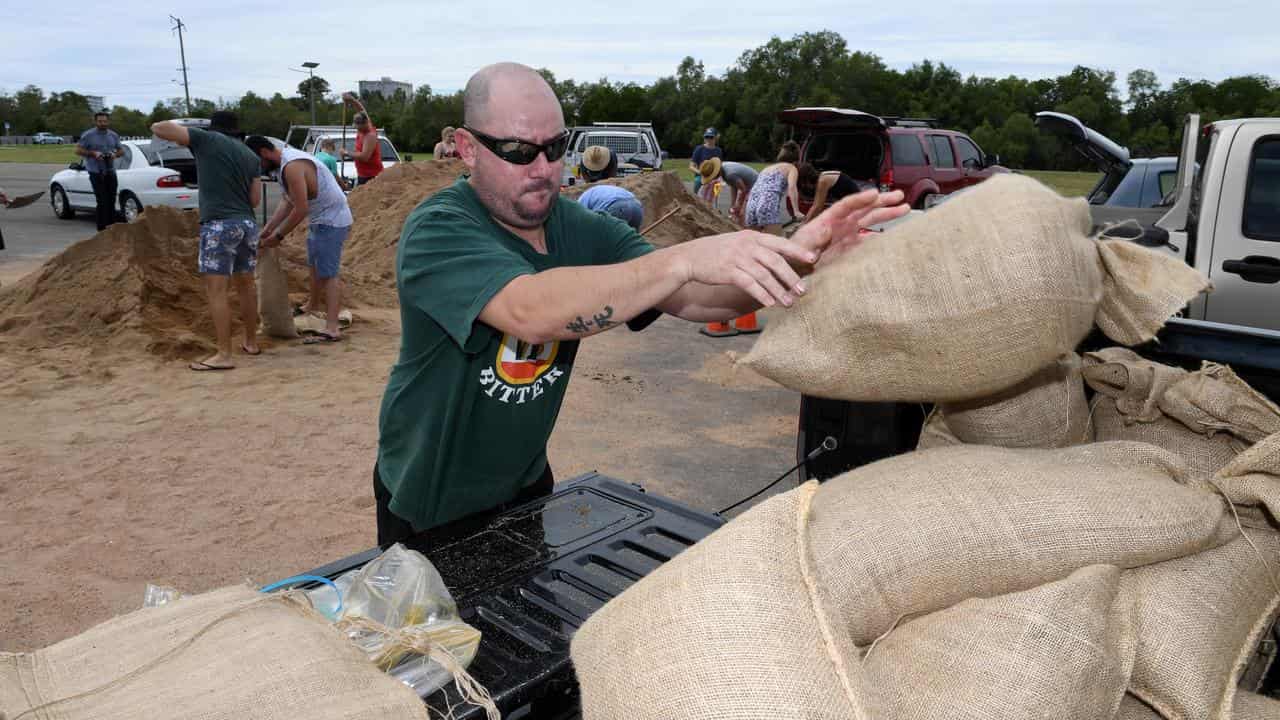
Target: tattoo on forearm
[(600, 320)]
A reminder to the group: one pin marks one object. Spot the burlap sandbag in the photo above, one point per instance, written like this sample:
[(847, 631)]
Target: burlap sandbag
[(273, 296), (1252, 479), (1134, 382), (733, 627), (228, 654), (1204, 455), (1247, 706), (1047, 410), (1200, 619), (1063, 650), (1130, 390), (968, 299), (935, 432), (1251, 706), (1215, 400), (922, 531)]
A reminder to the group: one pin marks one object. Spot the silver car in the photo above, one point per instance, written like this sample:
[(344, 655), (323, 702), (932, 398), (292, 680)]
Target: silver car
[(1130, 188)]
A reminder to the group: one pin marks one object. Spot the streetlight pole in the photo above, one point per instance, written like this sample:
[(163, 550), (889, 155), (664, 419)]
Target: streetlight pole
[(311, 85), (311, 68)]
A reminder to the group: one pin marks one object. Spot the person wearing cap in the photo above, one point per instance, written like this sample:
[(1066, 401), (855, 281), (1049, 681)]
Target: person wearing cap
[(738, 176), (702, 153), (100, 146), (368, 154), (599, 163), (230, 189)]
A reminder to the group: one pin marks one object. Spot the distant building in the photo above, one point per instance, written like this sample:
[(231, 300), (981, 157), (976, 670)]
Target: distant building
[(386, 87), (96, 102)]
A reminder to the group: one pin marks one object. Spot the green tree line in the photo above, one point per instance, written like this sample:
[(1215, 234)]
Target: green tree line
[(810, 69)]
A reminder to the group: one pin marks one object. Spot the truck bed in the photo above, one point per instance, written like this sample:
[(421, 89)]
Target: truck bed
[(527, 578)]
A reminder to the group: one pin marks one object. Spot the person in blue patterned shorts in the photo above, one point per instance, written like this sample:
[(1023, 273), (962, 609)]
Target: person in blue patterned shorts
[(230, 189)]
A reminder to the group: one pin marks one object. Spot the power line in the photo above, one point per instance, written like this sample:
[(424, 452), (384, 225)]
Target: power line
[(177, 25)]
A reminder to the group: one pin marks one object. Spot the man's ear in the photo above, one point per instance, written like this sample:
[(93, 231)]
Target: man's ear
[(467, 147)]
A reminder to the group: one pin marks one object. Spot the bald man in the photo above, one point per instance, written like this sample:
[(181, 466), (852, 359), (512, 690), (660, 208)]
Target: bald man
[(499, 279)]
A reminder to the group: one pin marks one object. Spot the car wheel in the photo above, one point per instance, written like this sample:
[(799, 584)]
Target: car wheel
[(924, 202), (928, 202), (131, 206), (61, 206)]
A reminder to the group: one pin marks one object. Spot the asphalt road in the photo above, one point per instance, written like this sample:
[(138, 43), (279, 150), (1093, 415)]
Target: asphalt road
[(33, 234)]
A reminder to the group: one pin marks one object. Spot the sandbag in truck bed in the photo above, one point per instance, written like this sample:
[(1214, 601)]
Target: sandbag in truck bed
[(227, 654), (968, 299)]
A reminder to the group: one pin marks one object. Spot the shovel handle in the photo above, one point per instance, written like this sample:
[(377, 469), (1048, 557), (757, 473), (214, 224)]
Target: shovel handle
[(658, 222)]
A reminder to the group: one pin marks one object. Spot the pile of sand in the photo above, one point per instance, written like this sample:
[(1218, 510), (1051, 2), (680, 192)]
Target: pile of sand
[(135, 286), (660, 193), (379, 209), (130, 286)]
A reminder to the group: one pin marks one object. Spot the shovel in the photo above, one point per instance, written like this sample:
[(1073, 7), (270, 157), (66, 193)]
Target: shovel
[(23, 200)]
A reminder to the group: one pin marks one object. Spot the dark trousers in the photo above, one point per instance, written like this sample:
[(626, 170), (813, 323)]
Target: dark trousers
[(105, 185), (393, 529)]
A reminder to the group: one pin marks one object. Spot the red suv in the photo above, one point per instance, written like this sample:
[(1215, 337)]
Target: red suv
[(913, 155)]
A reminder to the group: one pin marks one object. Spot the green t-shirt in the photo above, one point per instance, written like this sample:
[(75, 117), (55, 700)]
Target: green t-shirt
[(468, 410), (329, 161), (225, 171)]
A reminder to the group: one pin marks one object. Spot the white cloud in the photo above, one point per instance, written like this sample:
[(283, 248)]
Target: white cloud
[(235, 46)]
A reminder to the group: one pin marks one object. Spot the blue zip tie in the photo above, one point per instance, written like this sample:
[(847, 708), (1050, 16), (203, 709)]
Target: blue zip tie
[(306, 578)]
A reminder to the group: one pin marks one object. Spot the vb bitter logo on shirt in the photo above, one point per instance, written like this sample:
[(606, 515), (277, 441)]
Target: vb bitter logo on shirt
[(521, 371)]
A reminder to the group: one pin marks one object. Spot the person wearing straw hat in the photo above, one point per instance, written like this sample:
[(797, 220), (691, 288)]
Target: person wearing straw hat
[(738, 176), (599, 163)]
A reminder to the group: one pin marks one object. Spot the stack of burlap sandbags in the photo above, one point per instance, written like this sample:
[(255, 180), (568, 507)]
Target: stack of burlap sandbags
[(970, 581), (1025, 570), (229, 654)]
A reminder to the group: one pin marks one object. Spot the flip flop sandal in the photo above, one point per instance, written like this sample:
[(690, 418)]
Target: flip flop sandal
[(245, 350), (202, 366), (322, 337)]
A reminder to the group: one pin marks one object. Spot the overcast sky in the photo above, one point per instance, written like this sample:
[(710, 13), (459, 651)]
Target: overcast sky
[(125, 50)]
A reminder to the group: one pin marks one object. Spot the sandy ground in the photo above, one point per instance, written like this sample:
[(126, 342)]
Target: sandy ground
[(141, 471)]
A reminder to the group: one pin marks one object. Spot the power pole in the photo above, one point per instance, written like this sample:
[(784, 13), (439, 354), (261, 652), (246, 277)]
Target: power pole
[(182, 50)]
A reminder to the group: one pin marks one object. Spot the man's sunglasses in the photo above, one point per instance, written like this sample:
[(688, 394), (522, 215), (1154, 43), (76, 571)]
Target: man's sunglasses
[(522, 152)]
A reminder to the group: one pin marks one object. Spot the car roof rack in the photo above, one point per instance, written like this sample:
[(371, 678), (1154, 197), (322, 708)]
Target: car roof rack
[(894, 121)]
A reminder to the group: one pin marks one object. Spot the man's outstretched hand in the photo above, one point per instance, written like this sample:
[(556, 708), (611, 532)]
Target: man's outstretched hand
[(835, 231)]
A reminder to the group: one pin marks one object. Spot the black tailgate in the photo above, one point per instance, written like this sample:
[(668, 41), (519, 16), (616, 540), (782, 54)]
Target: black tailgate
[(528, 578)]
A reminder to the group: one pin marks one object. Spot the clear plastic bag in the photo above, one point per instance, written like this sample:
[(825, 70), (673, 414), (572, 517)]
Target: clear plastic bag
[(157, 595), (396, 607)]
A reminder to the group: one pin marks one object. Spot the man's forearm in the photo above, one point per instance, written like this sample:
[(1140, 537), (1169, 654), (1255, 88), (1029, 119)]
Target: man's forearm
[(697, 302), (295, 217), (171, 131), (574, 302), (277, 217)]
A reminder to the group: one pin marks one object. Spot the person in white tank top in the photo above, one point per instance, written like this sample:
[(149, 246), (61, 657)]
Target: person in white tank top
[(310, 192)]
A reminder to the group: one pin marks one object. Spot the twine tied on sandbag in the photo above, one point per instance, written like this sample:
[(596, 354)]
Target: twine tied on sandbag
[(415, 640)]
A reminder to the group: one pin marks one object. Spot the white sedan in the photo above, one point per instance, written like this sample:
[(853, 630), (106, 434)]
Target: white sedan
[(145, 176)]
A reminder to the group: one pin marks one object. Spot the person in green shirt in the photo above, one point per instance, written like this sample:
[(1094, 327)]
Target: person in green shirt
[(499, 278), (230, 188), (325, 156)]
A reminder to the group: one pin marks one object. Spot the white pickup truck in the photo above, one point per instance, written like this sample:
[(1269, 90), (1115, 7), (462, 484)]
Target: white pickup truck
[(1224, 218)]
